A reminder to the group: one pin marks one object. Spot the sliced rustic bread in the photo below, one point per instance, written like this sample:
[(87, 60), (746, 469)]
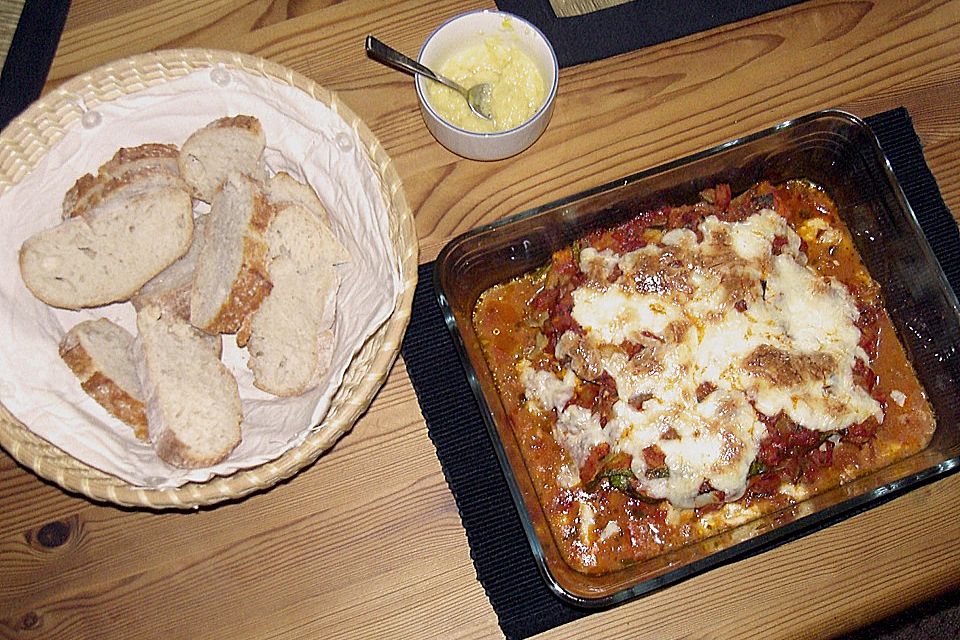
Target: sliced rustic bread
[(98, 352), (285, 189), (291, 336), (222, 147), (170, 289), (130, 184), (231, 278), (107, 254), (156, 162), (192, 400)]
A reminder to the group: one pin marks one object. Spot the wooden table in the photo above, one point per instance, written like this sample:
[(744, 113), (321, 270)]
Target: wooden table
[(367, 542)]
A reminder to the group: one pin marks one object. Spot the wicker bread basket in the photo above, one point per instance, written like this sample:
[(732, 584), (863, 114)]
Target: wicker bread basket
[(25, 141)]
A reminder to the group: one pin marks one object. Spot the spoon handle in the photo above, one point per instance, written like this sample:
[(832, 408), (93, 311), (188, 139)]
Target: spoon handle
[(391, 57)]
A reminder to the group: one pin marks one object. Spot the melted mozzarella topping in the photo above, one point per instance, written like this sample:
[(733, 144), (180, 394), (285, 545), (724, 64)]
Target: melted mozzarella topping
[(618, 316), (578, 430), (549, 391), (731, 325)]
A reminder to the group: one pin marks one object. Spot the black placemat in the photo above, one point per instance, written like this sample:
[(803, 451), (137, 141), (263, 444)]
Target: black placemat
[(633, 25), (30, 55), (501, 555)]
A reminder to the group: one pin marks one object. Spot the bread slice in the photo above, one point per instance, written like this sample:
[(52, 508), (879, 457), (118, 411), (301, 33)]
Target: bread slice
[(192, 400), (231, 278), (131, 183), (107, 254), (285, 189), (170, 289), (291, 336), (222, 147), (157, 162), (98, 352)]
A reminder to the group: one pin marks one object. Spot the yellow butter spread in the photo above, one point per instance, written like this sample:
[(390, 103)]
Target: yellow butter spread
[(518, 88)]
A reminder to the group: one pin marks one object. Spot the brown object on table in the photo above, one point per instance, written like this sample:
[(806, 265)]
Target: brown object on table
[(367, 540)]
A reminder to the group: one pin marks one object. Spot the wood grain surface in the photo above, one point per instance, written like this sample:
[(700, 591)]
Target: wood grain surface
[(367, 542), (9, 16)]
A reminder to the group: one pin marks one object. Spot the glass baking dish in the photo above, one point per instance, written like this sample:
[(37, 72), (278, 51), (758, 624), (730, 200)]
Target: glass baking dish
[(833, 149)]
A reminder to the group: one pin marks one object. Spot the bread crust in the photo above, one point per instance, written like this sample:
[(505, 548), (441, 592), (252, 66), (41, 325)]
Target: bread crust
[(118, 402), (240, 121), (249, 291), (105, 187), (81, 190), (107, 393), (89, 189), (146, 151), (173, 451), (263, 213), (252, 284)]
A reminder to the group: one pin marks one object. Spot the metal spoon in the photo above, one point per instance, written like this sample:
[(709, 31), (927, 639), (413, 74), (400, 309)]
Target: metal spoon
[(478, 96)]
